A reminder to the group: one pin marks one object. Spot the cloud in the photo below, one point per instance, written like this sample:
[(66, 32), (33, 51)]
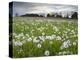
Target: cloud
[(25, 7)]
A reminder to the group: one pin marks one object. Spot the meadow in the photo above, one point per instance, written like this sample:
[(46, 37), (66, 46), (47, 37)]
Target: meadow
[(36, 36)]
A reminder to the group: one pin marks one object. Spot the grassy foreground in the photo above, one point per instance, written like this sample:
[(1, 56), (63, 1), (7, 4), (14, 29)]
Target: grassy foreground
[(35, 36)]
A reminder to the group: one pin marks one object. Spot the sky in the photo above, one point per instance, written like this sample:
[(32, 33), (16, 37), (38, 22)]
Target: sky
[(22, 8)]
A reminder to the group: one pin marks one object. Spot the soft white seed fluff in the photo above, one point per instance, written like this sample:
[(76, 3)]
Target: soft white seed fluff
[(65, 44), (39, 45), (47, 53)]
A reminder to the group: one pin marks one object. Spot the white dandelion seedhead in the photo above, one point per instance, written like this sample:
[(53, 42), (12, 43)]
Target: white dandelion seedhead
[(55, 28), (48, 37), (43, 33), (27, 35), (54, 36), (42, 38), (47, 53), (21, 34), (72, 31), (38, 29), (17, 43), (39, 45), (74, 43), (32, 36), (13, 40), (23, 37), (65, 44), (58, 38), (35, 40), (29, 39), (46, 24)]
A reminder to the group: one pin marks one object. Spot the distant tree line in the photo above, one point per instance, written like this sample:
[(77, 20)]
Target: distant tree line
[(73, 16)]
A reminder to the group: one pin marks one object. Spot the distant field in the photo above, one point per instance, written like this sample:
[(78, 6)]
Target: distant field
[(36, 36)]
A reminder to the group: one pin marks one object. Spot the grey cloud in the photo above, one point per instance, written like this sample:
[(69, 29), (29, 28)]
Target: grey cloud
[(25, 7)]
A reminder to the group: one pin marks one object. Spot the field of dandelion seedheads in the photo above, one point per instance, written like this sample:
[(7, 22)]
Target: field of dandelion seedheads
[(36, 36)]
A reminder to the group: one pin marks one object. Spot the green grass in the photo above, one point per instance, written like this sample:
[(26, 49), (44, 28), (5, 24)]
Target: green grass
[(28, 29)]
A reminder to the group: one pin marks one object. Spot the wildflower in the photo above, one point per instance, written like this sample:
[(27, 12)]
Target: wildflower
[(32, 36), (32, 31), (43, 33), (68, 29), (74, 43), (51, 42), (27, 27), (65, 44), (55, 28), (48, 37), (47, 53), (46, 24), (53, 37), (38, 29), (27, 35), (21, 35), (58, 38), (17, 43), (72, 31), (35, 40), (13, 40), (42, 38), (39, 45), (29, 39)]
